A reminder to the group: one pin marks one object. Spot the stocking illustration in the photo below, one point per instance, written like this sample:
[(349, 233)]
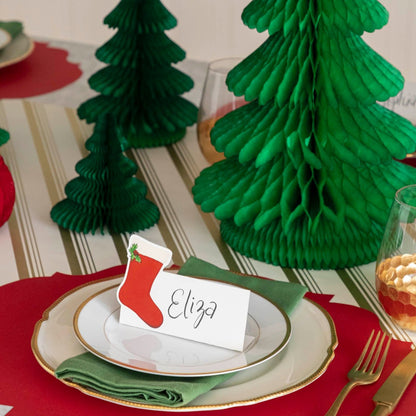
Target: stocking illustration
[(134, 292)]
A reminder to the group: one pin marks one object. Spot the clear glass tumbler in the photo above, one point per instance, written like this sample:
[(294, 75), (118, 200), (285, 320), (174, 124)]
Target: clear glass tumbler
[(216, 101), (396, 262)]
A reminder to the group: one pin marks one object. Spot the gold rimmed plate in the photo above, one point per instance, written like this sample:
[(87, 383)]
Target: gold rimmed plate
[(16, 50), (97, 326), (306, 357)]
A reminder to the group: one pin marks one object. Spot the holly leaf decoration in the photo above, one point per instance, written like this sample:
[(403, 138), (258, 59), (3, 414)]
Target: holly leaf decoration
[(134, 255)]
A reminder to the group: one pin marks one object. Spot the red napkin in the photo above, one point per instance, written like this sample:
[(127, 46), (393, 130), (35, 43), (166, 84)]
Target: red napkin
[(45, 70), (31, 391)]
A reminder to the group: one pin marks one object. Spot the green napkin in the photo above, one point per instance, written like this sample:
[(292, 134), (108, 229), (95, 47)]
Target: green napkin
[(13, 27), (89, 371), (286, 295)]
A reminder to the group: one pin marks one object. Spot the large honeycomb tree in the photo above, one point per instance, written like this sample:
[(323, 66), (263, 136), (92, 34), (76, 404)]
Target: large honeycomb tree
[(310, 168)]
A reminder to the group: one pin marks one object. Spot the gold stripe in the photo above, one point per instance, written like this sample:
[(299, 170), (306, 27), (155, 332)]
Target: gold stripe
[(79, 129), (121, 247), (306, 278), (17, 244), (139, 174), (352, 288), (26, 234), (151, 183), (213, 228), (3, 119), (14, 229), (44, 161), (85, 257), (23, 263), (174, 153), (246, 265), (209, 220), (34, 115), (170, 241), (73, 242), (291, 275), (70, 252), (183, 246)]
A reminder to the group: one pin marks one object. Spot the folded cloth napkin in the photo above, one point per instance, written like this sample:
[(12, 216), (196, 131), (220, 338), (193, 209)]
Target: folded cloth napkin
[(13, 27), (89, 371), (286, 295)]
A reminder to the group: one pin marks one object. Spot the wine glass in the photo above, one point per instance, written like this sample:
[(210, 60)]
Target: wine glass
[(216, 101), (396, 261)]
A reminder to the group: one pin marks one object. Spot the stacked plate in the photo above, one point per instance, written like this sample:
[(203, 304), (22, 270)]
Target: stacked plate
[(279, 357), (13, 50)]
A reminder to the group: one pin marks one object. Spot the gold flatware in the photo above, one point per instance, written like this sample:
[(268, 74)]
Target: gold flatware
[(364, 373), (391, 391)]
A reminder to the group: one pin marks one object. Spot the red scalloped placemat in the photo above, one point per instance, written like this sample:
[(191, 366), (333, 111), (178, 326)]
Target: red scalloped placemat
[(31, 391), (45, 70)]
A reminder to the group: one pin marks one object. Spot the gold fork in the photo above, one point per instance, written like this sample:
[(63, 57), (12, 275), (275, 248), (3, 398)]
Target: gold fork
[(366, 373)]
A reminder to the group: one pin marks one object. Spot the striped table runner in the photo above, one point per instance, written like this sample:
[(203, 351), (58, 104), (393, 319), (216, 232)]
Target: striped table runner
[(46, 143)]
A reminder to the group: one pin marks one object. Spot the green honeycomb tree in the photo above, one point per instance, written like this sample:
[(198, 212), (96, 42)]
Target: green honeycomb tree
[(139, 84), (106, 195), (310, 168)]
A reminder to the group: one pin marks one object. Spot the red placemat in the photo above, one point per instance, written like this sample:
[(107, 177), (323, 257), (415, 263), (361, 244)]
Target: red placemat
[(31, 391), (46, 69)]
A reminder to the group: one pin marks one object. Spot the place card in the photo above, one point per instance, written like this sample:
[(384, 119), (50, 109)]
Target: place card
[(198, 309)]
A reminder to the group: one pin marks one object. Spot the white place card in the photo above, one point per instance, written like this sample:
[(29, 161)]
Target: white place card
[(188, 307)]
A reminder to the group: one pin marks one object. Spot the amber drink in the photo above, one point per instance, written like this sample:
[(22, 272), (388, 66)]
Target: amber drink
[(396, 262), (216, 101), (396, 289)]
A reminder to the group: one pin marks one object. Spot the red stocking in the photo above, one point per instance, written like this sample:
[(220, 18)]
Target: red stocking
[(135, 291)]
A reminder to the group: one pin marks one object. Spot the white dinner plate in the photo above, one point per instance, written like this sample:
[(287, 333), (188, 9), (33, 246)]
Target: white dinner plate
[(306, 357), (97, 326), (15, 51), (5, 38)]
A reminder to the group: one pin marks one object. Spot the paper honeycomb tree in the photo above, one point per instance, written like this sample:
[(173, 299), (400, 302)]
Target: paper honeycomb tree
[(105, 195), (310, 169), (139, 85)]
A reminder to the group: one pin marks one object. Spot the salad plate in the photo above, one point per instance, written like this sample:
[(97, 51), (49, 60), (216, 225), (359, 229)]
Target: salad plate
[(97, 326), (16, 50), (306, 357)]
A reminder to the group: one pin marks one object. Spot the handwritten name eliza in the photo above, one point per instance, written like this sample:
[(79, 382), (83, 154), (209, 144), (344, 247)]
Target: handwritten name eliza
[(184, 305), (193, 308)]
